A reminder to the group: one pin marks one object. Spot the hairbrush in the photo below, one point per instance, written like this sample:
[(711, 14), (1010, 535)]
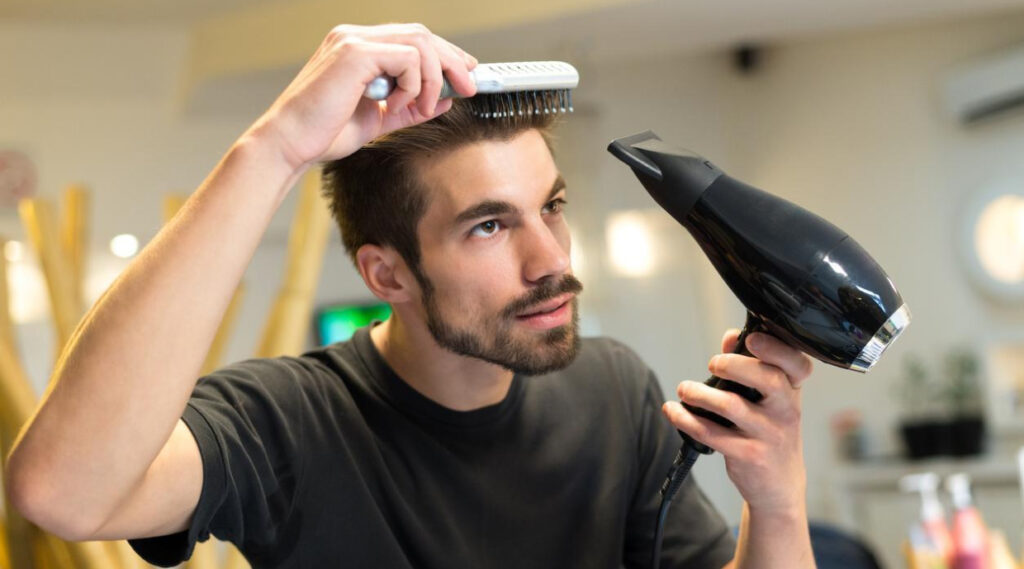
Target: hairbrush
[(522, 87)]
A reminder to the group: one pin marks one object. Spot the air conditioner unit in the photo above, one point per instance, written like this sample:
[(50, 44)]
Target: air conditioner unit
[(986, 86)]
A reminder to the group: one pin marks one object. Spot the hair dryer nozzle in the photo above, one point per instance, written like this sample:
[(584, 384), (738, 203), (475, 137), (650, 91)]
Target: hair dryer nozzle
[(883, 338), (674, 178)]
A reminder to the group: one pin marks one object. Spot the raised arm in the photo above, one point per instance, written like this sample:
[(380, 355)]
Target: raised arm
[(106, 455)]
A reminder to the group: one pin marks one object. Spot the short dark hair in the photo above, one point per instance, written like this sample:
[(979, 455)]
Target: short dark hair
[(375, 195)]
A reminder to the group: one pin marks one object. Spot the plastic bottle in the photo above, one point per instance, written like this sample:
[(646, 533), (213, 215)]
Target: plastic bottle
[(970, 538), (933, 517), (920, 552)]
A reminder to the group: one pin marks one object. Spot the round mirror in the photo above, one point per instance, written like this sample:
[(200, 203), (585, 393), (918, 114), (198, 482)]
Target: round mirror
[(993, 242)]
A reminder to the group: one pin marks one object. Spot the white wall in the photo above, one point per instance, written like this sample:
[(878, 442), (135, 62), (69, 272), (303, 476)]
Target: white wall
[(849, 127)]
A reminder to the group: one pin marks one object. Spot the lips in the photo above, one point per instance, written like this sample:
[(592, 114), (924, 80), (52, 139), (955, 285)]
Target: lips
[(546, 307)]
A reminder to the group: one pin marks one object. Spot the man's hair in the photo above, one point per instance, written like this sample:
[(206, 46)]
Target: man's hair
[(375, 194)]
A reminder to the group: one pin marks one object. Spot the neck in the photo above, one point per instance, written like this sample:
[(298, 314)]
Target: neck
[(457, 382)]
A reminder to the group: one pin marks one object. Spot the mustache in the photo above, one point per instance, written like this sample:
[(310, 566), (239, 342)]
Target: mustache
[(546, 291)]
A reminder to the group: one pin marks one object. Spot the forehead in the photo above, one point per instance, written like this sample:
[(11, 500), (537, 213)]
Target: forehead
[(520, 170)]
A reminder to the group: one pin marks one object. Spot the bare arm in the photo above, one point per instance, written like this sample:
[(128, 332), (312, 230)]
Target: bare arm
[(106, 455), (764, 455)]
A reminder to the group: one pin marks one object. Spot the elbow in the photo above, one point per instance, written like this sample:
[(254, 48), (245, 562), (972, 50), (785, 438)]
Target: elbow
[(31, 495)]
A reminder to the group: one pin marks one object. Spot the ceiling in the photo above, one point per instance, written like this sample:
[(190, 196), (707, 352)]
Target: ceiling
[(146, 11), (238, 41)]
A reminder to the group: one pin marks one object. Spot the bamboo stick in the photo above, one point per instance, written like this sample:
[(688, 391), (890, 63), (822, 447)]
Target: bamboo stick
[(17, 398), (74, 236), (40, 223), (204, 556), (289, 321), (18, 532), (16, 401), (5, 556), (6, 322), (234, 559)]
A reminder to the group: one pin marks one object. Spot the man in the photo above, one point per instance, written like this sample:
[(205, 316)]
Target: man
[(421, 443)]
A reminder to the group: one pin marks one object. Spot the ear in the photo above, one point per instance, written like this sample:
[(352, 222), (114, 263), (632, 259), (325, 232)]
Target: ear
[(385, 273)]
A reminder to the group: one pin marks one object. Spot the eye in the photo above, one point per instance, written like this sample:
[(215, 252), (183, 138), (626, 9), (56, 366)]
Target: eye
[(486, 229), (555, 206)]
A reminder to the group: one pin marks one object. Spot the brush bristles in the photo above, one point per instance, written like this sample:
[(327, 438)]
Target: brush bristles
[(520, 103)]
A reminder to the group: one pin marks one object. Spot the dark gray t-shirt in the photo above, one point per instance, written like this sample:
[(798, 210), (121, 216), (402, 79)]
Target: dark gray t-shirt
[(331, 460)]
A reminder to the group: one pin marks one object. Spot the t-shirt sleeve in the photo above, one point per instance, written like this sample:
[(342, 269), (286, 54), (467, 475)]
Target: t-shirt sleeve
[(695, 535), (247, 421)]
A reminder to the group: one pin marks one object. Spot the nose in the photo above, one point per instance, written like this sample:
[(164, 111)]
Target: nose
[(546, 253)]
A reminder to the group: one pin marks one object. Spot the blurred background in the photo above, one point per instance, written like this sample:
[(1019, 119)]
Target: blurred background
[(896, 121)]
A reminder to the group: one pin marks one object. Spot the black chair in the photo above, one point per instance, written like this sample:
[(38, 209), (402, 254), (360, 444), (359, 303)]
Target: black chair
[(836, 548)]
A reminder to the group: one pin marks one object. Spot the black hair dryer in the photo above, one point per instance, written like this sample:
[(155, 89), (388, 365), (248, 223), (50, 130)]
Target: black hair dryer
[(802, 279)]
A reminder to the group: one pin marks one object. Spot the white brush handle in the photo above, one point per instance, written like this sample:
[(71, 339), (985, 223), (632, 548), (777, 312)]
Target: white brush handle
[(498, 78)]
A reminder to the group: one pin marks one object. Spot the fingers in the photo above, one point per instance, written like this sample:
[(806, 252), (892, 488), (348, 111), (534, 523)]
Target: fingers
[(729, 340), (457, 65), (725, 403), (723, 439), (323, 115), (796, 365), (771, 381), (420, 80), (403, 63)]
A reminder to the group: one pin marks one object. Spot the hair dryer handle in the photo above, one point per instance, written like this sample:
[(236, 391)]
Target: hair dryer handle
[(753, 324)]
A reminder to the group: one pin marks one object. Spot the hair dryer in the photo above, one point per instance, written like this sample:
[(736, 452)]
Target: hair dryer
[(801, 279)]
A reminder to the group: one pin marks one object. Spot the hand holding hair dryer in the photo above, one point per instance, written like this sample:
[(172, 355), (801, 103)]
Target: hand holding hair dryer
[(802, 279)]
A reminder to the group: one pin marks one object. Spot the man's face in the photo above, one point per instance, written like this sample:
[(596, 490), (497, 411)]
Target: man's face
[(494, 256)]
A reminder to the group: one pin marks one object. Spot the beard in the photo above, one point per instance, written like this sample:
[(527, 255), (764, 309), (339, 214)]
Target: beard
[(495, 340)]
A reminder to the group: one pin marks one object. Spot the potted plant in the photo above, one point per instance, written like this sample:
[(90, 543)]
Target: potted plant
[(963, 395), (922, 422), (942, 414)]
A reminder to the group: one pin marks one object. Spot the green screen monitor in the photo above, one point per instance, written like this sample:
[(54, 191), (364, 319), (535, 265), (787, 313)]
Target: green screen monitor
[(337, 322)]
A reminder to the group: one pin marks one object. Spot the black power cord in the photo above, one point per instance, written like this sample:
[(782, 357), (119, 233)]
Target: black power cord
[(676, 476), (691, 448)]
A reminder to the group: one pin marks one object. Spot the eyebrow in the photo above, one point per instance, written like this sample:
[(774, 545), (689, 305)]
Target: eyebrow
[(488, 208)]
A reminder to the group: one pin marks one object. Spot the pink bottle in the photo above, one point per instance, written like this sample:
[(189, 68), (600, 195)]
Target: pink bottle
[(970, 538), (933, 518)]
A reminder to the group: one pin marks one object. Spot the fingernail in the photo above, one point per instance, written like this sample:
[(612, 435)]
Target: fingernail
[(755, 341), (713, 364)]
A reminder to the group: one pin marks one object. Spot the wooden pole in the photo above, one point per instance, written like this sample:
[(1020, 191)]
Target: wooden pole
[(16, 399), (74, 236), (289, 322), (18, 532), (5, 556), (40, 223), (234, 559)]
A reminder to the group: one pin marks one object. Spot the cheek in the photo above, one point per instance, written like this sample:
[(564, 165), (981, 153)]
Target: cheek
[(480, 284)]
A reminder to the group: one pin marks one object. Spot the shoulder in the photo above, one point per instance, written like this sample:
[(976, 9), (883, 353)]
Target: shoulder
[(283, 380)]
